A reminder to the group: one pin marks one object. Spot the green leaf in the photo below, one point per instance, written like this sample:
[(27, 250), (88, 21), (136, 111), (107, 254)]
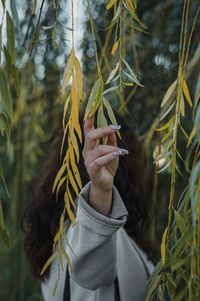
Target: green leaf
[(16, 17), (3, 180), (133, 79), (112, 74), (180, 222), (7, 56), (101, 122), (5, 96), (92, 97), (169, 93), (1, 217), (110, 90), (49, 261), (10, 36), (5, 236), (4, 124), (0, 41), (3, 3), (110, 113)]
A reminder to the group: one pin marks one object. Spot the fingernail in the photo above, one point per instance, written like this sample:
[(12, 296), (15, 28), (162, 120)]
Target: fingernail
[(120, 152), (115, 126)]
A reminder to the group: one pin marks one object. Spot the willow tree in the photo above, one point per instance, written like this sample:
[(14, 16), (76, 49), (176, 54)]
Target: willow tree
[(122, 82)]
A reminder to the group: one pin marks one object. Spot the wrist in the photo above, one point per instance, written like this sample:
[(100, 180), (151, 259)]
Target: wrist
[(101, 198)]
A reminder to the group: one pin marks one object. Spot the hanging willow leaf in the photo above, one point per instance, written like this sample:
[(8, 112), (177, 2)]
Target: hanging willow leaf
[(0, 40), (167, 125), (75, 145), (68, 70), (168, 111), (49, 261), (182, 105), (115, 47), (10, 36), (73, 182), (92, 97), (163, 247), (3, 180), (110, 4), (79, 80), (5, 95), (74, 166), (59, 175), (61, 181), (169, 93), (112, 74), (116, 16), (180, 222), (4, 125), (3, 3), (187, 93), (110, 90), (69, 211), (110, 113), (16, 17), (67, 258), (65, 110)]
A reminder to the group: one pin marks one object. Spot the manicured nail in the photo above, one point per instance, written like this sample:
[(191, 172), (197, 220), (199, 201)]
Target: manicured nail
[(115, 127), (120, 152)]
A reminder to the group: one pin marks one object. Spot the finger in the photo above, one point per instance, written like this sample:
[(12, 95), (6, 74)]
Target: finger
[(104, 160), (112, 139), (93, 135), (101, 150), (88, 125)]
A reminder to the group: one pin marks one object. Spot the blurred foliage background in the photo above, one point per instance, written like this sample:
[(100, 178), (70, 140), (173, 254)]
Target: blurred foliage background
[(33, 68)]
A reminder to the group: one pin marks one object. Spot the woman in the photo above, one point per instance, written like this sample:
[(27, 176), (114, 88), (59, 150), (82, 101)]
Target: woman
[(108, 263)]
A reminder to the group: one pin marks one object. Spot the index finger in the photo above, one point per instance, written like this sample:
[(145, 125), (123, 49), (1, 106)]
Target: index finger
[(88, 125)]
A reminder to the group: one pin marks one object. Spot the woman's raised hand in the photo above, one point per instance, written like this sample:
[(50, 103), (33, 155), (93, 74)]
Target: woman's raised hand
[(101, 162)]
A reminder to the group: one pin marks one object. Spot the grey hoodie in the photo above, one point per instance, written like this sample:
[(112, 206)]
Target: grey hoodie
[(103, 250)]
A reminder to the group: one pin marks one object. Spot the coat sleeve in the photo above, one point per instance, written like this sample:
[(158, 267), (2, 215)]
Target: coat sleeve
[(93, 241)]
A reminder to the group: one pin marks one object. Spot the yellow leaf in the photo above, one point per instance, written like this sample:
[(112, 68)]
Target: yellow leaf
[(130, 5), (72, 182), (65, 110), (78, 130), (182, 106), (59, 175), (167, 125), (75, 145), (68, 70), (163, 247), (114, 48), (69, 211), (169, 93), (74, 166), (60, 255), (67, 258), (187, 93), (63, 139), (70, 197), (49, 261), (79, 79), (110, 4), (62, 180)]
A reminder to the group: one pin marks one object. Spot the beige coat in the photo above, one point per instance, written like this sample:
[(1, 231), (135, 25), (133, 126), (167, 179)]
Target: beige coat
[(102, 250)]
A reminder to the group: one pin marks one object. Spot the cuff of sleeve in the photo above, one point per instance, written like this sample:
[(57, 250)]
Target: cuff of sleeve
[(97, 222)]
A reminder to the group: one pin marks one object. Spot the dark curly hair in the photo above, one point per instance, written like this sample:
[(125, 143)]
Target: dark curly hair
[(41, 218)]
